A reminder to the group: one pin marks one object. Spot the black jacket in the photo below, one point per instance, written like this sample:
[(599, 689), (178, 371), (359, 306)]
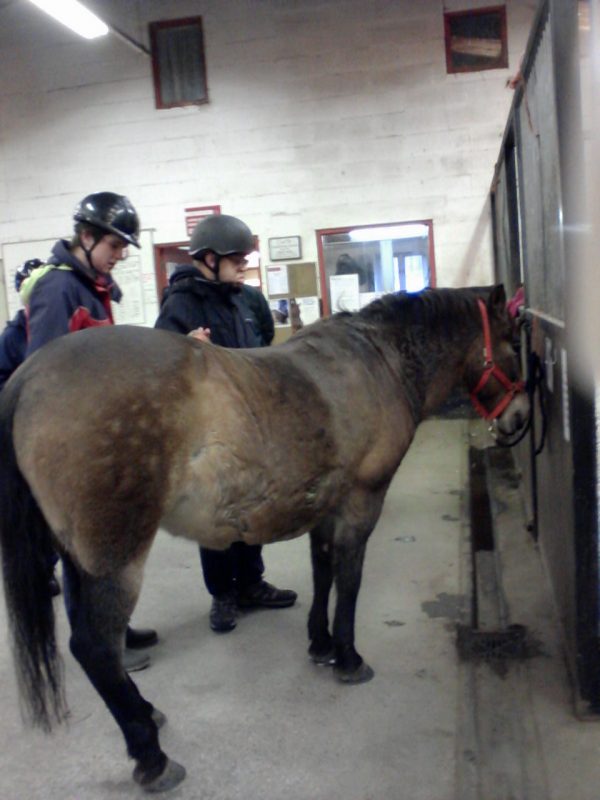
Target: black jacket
[(257, 303), (192, 302)]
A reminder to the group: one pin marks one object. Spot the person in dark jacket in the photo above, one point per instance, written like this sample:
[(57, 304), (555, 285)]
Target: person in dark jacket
[(13, 341), (207, 299), (257, 303), (76, 289), (73, 292)]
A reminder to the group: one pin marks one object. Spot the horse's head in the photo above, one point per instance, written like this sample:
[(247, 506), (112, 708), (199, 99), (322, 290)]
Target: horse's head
[(492, 370)]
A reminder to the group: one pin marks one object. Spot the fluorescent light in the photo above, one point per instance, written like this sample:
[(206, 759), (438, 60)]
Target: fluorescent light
[(75, 16), (386, 232)]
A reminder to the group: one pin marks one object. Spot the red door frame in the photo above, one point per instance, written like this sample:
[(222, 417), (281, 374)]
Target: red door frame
[(346, 229)]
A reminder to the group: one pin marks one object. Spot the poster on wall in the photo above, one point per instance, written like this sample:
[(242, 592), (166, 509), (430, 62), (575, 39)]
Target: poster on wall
[(280, 309), (131, 309), (344, 291), (277, 280), (308, 308)]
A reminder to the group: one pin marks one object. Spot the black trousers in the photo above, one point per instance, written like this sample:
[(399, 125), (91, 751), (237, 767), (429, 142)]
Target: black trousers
[(225, 571)]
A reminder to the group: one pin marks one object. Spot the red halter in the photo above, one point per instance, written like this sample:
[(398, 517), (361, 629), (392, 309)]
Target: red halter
[(511, 387)]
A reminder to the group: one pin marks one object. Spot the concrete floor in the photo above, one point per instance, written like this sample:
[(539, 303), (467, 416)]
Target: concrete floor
[(251, 717)]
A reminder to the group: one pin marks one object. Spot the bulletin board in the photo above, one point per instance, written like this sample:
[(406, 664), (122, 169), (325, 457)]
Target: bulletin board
[(135, 276), (292, 290), (301, 280)]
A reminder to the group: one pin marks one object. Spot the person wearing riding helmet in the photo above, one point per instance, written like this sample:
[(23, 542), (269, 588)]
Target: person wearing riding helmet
[(207, 300), (74, 291), (13, 341)]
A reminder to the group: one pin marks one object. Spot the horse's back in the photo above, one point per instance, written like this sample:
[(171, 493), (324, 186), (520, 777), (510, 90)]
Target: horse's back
[(95, 431), (145, 427), (120, 429)]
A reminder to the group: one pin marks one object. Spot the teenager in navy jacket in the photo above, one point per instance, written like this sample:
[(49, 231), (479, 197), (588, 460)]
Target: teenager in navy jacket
[(74, 292)]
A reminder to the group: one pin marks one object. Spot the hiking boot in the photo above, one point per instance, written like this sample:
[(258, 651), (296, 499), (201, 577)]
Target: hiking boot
[(134, 662), (265, 595), (223, 613), (138, 638)]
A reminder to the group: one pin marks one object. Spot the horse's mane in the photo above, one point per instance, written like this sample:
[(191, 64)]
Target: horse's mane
[(429, 307), (448, 314)]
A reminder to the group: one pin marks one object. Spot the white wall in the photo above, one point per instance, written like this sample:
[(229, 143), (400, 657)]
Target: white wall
[(322, 113)]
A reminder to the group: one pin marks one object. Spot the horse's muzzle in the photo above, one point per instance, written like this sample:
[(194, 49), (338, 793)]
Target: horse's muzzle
[(515, 416)]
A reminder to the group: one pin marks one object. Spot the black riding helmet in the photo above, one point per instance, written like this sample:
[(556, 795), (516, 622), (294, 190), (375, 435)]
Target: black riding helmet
[(223, 235), (111, 213), (25, 270)]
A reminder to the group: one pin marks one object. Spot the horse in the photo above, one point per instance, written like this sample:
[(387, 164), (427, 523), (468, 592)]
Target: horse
[(108, 434)]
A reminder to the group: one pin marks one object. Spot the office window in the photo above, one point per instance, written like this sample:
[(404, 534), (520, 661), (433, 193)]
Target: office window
[(360, 263)]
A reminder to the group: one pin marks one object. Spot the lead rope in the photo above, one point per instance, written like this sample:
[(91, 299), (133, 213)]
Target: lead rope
[(535, 374)]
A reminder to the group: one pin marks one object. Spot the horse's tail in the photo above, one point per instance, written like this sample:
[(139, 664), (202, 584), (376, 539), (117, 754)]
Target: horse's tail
[(25, 540)]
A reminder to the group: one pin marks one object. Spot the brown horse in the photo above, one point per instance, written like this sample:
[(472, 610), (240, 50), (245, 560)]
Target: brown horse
[(219, 446)]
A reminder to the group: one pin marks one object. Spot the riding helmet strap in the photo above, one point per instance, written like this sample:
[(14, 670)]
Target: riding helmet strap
[(88, 253), (490, 368), (215, 269)]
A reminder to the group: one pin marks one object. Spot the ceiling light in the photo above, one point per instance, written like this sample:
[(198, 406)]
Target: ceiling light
[(75, 16)]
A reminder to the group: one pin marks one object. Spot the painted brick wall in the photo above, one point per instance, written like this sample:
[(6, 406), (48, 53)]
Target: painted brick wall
[(322, 113)]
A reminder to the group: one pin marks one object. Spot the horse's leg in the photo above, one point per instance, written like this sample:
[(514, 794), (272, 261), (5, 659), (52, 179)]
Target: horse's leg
[(99, 610), (352, 530), (348, 562), (321, 551)]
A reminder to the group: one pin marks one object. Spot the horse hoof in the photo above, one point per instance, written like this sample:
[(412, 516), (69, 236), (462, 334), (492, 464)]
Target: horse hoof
[(159, 718), (362, 674), (169, 778)]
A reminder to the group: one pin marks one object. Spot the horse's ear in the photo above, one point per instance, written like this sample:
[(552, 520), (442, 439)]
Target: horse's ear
[(497, 301)]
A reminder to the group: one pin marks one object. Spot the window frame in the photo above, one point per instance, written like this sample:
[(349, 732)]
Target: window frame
[(155, 28), (321, 233), (452, 68)]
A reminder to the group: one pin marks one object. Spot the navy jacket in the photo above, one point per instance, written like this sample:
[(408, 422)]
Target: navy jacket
[(66, 296), (13, 344), (192, 302)]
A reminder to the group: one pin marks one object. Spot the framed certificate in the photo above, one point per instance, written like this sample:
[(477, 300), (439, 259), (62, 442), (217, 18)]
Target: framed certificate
[(284, 248)]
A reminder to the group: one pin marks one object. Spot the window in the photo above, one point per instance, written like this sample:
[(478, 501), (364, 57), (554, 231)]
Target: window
[(476, 39), (178, 62), (361, 263)]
